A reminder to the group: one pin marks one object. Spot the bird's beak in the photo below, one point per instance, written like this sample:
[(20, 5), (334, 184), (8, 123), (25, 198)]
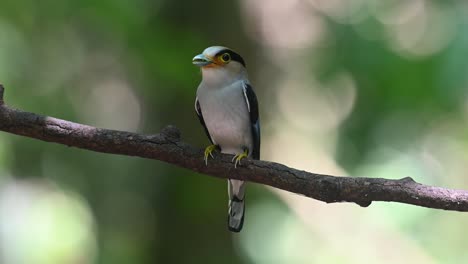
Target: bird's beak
[(201, 60)]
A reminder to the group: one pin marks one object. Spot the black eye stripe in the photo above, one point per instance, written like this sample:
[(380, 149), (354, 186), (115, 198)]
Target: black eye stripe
[(234, 56)]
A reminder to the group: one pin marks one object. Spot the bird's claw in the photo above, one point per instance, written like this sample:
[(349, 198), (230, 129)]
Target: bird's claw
[(237, 158), (209, 152)]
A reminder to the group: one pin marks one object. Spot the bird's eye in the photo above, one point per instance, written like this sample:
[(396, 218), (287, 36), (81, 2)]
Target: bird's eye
[(225, 57)]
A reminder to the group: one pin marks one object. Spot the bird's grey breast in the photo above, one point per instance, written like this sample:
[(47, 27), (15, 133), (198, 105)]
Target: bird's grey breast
[(226, 116)]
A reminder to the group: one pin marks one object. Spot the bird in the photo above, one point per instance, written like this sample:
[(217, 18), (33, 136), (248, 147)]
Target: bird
[(227, 108)]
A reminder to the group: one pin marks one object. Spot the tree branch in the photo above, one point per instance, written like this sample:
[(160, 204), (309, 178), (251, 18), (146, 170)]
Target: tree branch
[(168, 147)]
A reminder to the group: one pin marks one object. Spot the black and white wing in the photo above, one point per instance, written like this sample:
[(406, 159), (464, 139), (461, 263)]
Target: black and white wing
[(202, 121), (252, 106)]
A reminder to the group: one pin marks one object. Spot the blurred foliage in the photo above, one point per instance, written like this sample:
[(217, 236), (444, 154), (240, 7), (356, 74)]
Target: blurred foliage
[(360, 87)]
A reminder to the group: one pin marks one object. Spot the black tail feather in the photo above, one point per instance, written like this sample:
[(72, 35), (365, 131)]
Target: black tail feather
[(236, 214)]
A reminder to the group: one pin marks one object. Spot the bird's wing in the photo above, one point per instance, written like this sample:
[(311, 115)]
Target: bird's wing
[(252, 106), (202, 121)]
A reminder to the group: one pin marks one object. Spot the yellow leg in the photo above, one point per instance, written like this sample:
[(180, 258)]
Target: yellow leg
[(208, 152), (237, 158)]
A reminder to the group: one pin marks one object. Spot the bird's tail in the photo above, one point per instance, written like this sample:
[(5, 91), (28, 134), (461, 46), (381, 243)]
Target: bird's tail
[(236, 211)]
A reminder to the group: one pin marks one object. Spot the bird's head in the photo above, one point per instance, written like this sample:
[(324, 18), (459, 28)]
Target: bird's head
[(220, 60)]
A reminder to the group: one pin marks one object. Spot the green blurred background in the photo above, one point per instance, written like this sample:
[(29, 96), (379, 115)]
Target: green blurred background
[(361, 87)]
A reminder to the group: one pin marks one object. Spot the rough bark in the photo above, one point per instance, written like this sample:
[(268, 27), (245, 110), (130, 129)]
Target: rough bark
[(167, 146)]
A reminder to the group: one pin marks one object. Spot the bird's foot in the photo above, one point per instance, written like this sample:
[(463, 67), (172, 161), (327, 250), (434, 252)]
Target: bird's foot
[(237, 158), (209, 152)]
